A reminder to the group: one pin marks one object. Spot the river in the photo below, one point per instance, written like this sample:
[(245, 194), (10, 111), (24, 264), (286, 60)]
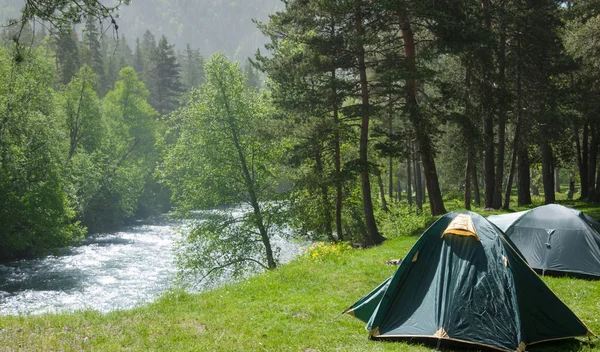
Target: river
[(118, 270)]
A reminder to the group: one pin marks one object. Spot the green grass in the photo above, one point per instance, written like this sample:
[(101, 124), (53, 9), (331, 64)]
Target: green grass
[(294, 308)]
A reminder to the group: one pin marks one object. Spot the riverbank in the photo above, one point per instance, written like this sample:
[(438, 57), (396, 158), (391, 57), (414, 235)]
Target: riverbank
[(294, 308)]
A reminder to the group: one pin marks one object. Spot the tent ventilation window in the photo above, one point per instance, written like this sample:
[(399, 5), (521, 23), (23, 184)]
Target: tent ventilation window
[(461, 225)]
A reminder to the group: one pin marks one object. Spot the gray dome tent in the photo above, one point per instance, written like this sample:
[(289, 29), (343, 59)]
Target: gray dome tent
[(555, 239), (464, 282)]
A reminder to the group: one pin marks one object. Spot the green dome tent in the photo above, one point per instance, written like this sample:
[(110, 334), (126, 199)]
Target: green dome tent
[(464, 282), (554, 239)]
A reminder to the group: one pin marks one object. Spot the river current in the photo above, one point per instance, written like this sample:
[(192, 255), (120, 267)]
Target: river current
[(118, 270)]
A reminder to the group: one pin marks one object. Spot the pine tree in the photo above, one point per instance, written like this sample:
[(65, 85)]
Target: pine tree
[(138, 59), (67, 56), (148, 49), (112, 73), (252, 77), (92, 54), (125, 53), (166, 83), (192, 64), (316, 58)]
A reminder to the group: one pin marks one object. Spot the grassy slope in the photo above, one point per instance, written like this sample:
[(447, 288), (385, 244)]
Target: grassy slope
[(294, 308)]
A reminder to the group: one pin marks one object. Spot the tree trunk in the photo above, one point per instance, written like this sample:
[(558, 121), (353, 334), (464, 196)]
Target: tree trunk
[(390, 158), (468, 181), (556, 180), (251, 188), (391, 178), (497, 203), (423, 183), (578, 155), (408, 179), (535, 191), (547, 172), (597, 191), (488, 121), (476, 193), (338, 164), (591, 165), (436, 202), (584, 162), (399, 189), (571, 189), (513, 160), (418, 185), (374, 235), (326, 215), (258, 217), (523, 191), (382, 192)]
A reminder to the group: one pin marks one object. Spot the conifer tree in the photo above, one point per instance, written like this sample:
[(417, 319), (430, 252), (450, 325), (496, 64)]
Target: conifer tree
[(192, 67), (67, 56), (166, 83), (125, 53), (315, 69), (112, 73), (148, 49), (92, 54), (252, 76), (138, 59)]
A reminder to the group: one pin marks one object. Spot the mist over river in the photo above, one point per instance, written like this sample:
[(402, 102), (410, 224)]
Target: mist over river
[(118, 270)]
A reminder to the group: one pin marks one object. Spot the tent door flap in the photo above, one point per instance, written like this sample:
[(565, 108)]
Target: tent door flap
[(550, 232)]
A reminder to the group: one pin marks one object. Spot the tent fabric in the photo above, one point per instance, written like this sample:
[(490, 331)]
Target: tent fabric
[(465, 290), (505, 220), (555, 239), (461, 225)]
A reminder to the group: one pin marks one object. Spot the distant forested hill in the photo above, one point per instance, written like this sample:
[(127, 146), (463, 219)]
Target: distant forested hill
[(210, 25)]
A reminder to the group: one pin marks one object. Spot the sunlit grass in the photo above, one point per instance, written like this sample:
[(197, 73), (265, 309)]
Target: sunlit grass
[(294, 308)]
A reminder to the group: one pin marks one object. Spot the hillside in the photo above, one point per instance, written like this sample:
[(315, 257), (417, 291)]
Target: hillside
[(210, 25)]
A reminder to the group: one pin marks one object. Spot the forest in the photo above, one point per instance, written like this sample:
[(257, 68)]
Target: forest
[(352, 110)]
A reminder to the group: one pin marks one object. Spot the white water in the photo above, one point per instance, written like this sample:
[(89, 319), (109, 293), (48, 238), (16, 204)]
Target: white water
[(106, 272)]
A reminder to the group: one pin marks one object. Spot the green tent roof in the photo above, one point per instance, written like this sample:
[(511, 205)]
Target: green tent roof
[(555, 239), (463, 281)]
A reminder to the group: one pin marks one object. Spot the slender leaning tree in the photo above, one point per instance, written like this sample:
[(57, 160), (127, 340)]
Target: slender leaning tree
[(223, 156)]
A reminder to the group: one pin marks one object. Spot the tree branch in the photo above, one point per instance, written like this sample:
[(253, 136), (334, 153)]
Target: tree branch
[(240, 260)]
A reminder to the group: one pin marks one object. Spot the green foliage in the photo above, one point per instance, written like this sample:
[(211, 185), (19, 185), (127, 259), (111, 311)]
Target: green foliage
[(119, 169), (192, 68), (166, 84), (220, 115), (67, 56), (35, 212), (402, 220), (81, 108), (224, 155), (92, 53)]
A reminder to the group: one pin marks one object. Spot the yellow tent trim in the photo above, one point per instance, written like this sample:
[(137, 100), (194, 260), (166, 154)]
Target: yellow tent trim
[(415, 257), (349, 311), (461, 225), (441, 333), (374, 332), (522, 347)]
